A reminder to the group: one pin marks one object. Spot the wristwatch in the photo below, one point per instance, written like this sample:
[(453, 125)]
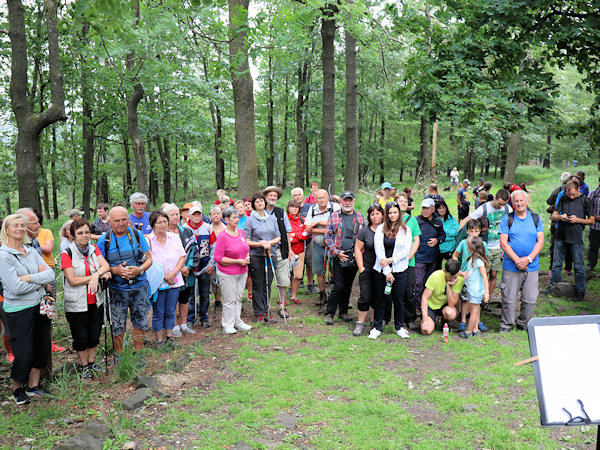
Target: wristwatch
[(142, 271), (529, 259)]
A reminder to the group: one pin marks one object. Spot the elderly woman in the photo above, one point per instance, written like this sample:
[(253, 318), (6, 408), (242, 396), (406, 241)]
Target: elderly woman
[(186, 292), (24, 273), (216, 217), (232, 258), (262, 233), (65, 235), (165, 248), (297, 240), (83, 265)]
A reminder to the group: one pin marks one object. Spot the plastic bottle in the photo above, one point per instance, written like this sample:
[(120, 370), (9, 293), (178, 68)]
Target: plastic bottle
[(388, 288), (445, 333)]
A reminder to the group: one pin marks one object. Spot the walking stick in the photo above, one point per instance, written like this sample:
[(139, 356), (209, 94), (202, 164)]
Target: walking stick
[(268, 288), (281, 303), (107, 318)]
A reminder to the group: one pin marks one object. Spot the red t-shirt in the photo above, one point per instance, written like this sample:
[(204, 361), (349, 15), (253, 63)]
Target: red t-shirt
[(66, 261)]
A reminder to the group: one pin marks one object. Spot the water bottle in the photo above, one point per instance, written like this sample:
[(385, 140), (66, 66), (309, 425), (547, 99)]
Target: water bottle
[(445, 333), (388, 288)]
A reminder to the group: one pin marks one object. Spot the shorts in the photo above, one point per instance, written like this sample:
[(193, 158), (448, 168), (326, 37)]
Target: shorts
[(318, 259), (495, 258), (475, 299), (432, 313), (214, 285), (299, 269), (454, 181), (308, 258), (134, 300), (282, 270), (185, 294)]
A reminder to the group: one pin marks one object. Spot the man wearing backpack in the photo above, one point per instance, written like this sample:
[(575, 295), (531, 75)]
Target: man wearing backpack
[(594, 229), (128, 254), (494, 211), (521, 239)]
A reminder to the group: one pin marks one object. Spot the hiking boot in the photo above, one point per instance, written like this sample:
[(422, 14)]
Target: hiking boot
[(358, 329), (413, 326), (87, 373), (206, 323), (218, 305), (301, 284), (159, 342), (96, 369), (284, 303), (312, 289), (21, 396), (171, 342), (322, 299), (260, 318), (578, 297), (503, 330), (269, 318), (283, 313), (36, 390), (462, 327), (328, 319), (346, 317)]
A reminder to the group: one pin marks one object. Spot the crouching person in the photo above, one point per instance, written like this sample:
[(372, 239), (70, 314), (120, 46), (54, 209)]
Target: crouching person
[(441, 295)]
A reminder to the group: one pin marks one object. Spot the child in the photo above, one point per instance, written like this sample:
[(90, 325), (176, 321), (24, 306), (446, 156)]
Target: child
[(461, 254), (484, 227), (476, 283)]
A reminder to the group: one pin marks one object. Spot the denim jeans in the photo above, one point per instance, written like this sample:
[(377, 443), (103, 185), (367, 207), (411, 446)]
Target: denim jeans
[(560, 251), (203, 282), (163, 311)]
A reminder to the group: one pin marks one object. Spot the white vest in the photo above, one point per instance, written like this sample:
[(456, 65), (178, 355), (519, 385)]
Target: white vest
[(75, 298)]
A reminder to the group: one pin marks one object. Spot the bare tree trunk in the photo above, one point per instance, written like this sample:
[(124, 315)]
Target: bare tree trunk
[(128, 182), (512, 156), (382, 152), (243, 99), (352, 151), (186, 184), (87, 135), (53, 176), (270, 162), (215, 115), (547, 159), (299, 178), (165, 157), (434, 149), (424, 164), (30, 125), (328, 125), (503, 153), (285, 134), (152, 180)]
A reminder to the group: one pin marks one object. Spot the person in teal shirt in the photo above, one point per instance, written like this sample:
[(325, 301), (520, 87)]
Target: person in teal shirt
[(451, 230)]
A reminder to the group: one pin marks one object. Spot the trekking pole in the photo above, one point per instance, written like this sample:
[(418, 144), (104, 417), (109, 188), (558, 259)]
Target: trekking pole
[(281, 303), (107, 318), (268, 288)]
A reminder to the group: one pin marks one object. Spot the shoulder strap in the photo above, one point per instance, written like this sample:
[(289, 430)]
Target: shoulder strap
[(534, 216), (484, 214), (107, 241), (69, 252), (136, 238)]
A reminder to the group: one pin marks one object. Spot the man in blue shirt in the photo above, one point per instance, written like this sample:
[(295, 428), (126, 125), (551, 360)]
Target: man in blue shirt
[(129, 257), (521, 239), (140, 219)]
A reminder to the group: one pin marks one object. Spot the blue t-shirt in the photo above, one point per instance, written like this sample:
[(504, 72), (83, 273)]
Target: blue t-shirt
[(522, 237), (464, 252), (122, 250), (141, 223), (474, 283)]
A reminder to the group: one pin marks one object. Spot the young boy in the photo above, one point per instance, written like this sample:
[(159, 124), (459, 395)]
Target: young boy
[(461, 254)]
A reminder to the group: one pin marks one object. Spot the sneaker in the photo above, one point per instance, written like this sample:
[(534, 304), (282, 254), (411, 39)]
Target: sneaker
[(284, 303), (403, 333), (296, 301), (95, 368), (159, 342), (171, 342), (57, 348), (206, 323), (260, 318), (87, 373), (328, 319), (302, 284), (346, 317), (228, 330), (465, 335), (503, 330), (243, 327), (185, 329), (413, 326), (10, 357), (358, 329), (374, 334), (312, 289), (476, 334), (568, 272), (20, 396), (462, 327), (177, 332), (250, 297), (482, 327), (36, 390)]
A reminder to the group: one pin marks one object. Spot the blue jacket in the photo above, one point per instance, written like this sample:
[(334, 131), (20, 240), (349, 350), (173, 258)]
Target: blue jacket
[(433, 228)]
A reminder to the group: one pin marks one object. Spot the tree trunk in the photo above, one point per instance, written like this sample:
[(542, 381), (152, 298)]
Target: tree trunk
[(186, 184), (285, 134), (434, 149), (468, 162), (352, 150), (503, 153), (424, 163), (328, 125), (30, 125), (165, 158), (102, 189), (128, 182), (270, 166), (382, 152), (243, 99), (546, 162), (153, 180), (53, 176), (87, 134), (512, 156), (299, 179), (215, 115)]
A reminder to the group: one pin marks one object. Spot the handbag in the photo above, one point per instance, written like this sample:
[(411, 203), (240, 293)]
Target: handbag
[(48, 307)]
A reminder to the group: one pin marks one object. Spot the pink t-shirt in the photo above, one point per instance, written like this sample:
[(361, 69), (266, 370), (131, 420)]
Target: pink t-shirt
[(168, 255), (234, 248)]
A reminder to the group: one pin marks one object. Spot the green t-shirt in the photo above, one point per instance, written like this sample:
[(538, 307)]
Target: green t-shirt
[(437, 283), (415, 230)]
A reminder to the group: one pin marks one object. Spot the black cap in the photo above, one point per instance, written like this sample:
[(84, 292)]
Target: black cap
[(482, 179), (347, 194)]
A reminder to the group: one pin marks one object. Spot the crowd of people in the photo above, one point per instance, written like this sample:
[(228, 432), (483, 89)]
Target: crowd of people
[(411, 263)]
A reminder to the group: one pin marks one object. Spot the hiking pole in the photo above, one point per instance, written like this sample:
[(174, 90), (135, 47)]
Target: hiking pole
[(281, 302), (107, 318), (268, 288)]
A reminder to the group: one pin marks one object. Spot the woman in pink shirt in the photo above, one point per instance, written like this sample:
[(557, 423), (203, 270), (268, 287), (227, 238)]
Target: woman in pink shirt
[(166, 248), (232, 258)]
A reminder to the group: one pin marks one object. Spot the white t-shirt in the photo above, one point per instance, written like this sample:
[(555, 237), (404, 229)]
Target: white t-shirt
[(494, 216)]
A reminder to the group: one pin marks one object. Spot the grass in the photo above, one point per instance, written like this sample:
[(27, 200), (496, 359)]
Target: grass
[(345, 392)]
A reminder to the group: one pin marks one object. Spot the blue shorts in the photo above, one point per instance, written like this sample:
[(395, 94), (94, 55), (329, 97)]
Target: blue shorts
[(474, 299), (134, 300)]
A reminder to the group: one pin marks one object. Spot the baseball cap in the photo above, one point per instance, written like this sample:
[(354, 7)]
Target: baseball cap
[(347, 194), (195, 209), (427, 203), (386, 185), (466, 180)]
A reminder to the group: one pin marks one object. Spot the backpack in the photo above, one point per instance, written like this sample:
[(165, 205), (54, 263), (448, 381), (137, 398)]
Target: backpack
[(511, 219), (505, 210), (109, 237)]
